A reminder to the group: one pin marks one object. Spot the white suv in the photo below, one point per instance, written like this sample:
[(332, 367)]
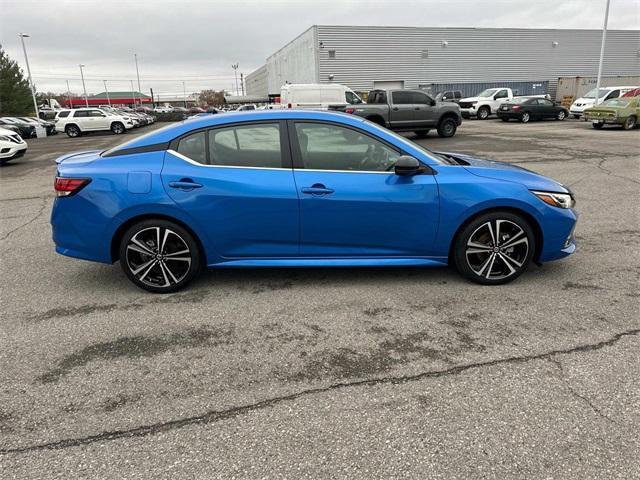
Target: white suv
[(75, 122), (11, 146)]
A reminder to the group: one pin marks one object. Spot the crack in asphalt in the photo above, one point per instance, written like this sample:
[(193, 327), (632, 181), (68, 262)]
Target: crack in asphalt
[(44, 205), (579, 396), (601, 167), (218, 415)]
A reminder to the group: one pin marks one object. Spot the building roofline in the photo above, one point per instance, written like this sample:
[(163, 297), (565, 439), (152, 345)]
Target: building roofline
[(467, 28), (296, 38)]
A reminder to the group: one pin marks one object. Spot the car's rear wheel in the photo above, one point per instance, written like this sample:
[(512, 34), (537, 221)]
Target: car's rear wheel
[(117, 128), (504, 119), (525, 117), (629, 123), (483, 113), (422, 133), (561, 115), (72, 131), (597, 126), (447, 127), (494, 248), (159, 256)]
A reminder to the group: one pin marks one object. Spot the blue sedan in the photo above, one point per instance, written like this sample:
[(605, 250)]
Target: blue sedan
[(302, 189)]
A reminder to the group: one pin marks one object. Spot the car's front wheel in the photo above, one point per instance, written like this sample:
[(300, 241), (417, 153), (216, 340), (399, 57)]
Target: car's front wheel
[(629, 123), (159, 256), (117, 128), (447, 127), (561, 115), (494, 248), (483, 113)]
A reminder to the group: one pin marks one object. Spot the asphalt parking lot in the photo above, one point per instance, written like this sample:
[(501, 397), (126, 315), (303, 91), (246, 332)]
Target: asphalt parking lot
[(370, 373)]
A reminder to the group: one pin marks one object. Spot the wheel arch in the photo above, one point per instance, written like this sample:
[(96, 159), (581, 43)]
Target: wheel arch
[(117, 236), (447, 115), (72, 124), (535, 225), (377, 119)]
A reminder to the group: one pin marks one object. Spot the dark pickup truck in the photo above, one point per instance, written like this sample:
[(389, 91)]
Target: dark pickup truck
[(409, 110)]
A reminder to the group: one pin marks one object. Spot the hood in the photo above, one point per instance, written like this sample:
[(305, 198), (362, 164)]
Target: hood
[(6, 131), (78, 158), (507, 172), (470, 99), (584, 101)]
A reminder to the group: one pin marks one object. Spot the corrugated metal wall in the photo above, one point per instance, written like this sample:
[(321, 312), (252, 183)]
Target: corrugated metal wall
[(425, 55), (472, 89), (256, 82), (294, 63)]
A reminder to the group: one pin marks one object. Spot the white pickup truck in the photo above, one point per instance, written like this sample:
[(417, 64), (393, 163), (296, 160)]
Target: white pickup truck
[(487, 102)]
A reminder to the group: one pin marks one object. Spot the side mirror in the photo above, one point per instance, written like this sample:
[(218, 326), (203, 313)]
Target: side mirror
[(407, 165)]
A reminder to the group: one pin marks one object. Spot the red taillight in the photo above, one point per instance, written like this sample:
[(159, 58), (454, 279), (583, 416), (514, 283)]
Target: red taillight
[(66, 187), (350, 110), (516, 107)]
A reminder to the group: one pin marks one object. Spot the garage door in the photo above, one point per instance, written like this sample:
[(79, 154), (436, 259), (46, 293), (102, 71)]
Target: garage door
[(388, 84)]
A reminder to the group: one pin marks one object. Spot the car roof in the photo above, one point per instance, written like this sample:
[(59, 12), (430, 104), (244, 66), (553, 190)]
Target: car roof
[(170, 132)]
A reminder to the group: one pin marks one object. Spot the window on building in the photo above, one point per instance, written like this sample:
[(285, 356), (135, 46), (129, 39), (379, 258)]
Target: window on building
[(332, 54)]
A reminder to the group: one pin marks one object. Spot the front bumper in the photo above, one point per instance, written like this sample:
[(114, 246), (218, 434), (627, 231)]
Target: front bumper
[(558, 227), (468, 112), (14, 151)]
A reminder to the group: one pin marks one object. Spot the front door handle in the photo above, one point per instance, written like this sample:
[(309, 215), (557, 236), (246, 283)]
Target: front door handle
[(417, 108), (185, 184), (395, 109), (317, 189)]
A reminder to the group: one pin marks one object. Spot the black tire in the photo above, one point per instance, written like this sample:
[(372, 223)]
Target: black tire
[(504, 119), (509, 261), (483, 113), (422, 133), (576, 116), (525, 117), (561, 115), (118, 128), (4, 161), (630, 123), (159, 272), (597, 126), (72, 131), (447, 127)]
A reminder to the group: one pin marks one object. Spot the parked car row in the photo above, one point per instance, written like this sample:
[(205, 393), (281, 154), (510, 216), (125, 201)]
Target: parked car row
[(26, 126), (117, 120)]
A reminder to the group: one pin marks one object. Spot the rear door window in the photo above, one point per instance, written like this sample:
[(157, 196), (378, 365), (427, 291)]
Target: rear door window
[(254, 146), (402, 98), (81, 114)]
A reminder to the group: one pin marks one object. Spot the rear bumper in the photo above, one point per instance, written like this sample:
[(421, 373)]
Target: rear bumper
[(507, 114), (603, 120)]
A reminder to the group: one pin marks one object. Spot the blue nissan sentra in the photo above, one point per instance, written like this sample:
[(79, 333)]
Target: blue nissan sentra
[(302, 189)]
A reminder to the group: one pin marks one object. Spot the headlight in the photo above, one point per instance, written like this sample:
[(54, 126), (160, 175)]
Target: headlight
[(560, 200)]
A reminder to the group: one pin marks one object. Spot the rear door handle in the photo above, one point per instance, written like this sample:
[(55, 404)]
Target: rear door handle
[(395, 109), (185, 184), (317, 189)]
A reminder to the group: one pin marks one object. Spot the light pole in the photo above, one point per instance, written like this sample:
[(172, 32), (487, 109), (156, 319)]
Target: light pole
[(604, 39), (107, 92), (86, 101), (235, 69), (26, 59), (135, 56), (134, 95), (69, 95)]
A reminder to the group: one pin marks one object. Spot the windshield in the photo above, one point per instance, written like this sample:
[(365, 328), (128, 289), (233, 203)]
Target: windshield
[(488, 92), (592, 93), (617, 102)]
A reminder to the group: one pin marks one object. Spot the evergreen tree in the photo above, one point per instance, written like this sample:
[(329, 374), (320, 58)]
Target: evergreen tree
[(15, 94)]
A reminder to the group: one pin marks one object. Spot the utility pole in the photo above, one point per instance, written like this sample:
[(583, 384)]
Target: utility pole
[(604, 39), (242, 83), (69, 95), (107, 91), (235, 69), (86, 101), (153, 100), (26, 59), (135, 56), (134, 95), (184, 93)]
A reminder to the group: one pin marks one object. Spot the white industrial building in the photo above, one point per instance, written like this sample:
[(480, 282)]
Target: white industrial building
[(367, 57)]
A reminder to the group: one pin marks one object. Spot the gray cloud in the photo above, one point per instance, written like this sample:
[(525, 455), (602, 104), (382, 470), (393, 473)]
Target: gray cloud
[(197, 41)]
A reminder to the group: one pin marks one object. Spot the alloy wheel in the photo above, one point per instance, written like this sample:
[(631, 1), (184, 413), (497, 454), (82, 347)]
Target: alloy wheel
[(158, 257), (497, 249), (561, 115), (524, 118)]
